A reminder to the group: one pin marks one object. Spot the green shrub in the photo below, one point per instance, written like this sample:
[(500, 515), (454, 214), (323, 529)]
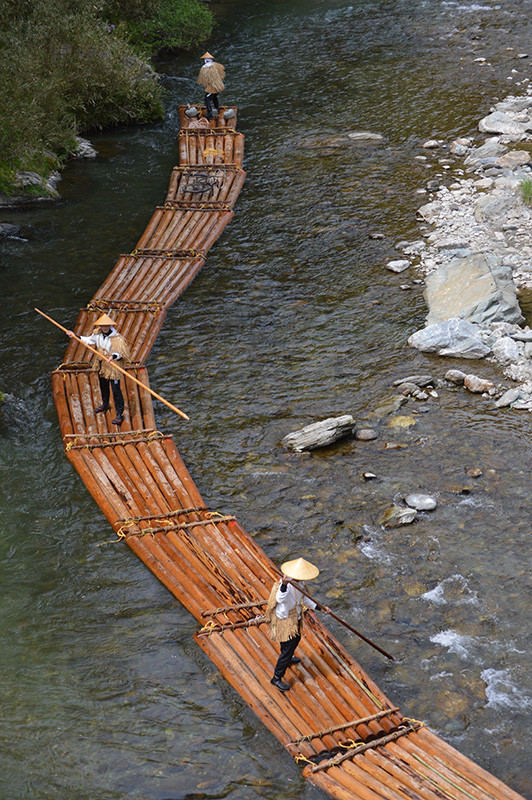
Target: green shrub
[(525, 188), (62, 71), (169, 25)]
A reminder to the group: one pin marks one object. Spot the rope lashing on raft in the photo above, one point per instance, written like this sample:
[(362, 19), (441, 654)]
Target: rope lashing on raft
[(120, 440), (123, 306), (191, 205), (141, 252), (362, 747), (186, 168), (208, 132), (223, 609), (211, 626), (351, 724), (211, 518), (212, 151)]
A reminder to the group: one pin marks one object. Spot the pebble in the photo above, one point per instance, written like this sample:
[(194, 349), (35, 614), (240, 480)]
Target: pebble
[(455, 376), (365, 434), (477, 385), (421, 502), (398, 266)]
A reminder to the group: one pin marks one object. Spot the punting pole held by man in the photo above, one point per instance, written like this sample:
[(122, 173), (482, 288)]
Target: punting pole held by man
[(299, 588), (115, 365)]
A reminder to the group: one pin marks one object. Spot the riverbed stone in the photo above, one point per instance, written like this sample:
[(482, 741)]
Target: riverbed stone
[(506, 350), (398, 266), (419, 380), (421, 502), (499, 122), (84, 149), (515, 158), (452, 338), (491, 149), (8, 229), (365, 434), (455, 376), (396, 516), (320, 434), (477, 385), (509, 397), (478, 289), (389, 406), (365, 136)]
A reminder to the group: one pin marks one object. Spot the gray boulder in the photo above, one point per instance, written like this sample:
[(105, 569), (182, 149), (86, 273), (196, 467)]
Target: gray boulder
[(454, 338), (506, 350), (499, 122), (479, 289)]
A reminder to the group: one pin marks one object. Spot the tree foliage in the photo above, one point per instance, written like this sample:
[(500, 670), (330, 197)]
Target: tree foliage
[(68, 66)]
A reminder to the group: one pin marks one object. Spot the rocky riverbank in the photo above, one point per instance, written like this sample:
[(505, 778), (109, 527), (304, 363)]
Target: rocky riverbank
[(476, 250)]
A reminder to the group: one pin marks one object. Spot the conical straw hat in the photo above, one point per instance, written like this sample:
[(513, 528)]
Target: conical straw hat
[(104, 320), (207, 55), (300, 570)]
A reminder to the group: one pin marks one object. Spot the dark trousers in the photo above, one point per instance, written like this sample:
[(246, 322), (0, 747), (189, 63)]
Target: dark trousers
[(210, 100), (105, 385), (287, 651)]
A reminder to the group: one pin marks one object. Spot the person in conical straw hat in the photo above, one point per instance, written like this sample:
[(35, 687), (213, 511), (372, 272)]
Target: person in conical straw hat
[(284, 613), (111, 344), (211, 77)]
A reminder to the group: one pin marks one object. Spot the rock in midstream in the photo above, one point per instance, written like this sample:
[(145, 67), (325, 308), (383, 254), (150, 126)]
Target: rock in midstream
[(396, 516), (320, 434), (421, 502)]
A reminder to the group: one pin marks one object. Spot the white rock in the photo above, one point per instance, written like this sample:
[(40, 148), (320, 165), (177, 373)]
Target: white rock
[(399, 265), (506, 350), (421, 502), (477, 385)]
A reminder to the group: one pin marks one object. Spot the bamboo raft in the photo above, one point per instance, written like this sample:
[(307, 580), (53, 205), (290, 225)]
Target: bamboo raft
[(349, 738)]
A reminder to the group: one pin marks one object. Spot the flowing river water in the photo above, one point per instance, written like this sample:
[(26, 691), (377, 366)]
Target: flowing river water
[(293, 318)]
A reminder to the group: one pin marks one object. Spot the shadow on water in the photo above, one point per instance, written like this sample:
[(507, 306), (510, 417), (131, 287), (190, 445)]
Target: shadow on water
[(292, 319)]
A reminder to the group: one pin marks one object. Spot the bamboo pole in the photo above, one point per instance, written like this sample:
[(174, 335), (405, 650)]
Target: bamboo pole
[(299, 588), (110, 361)]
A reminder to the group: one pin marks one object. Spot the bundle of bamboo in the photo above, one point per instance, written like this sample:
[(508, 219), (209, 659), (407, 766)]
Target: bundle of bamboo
[(352, 741)]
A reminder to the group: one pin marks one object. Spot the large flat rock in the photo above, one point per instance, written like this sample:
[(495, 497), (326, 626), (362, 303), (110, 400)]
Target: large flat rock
[(478, 289)]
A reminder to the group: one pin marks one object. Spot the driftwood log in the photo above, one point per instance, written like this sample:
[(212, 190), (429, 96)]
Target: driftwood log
[(320, 434)]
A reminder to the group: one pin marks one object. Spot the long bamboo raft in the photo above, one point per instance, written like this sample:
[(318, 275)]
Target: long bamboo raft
[(349, 738)]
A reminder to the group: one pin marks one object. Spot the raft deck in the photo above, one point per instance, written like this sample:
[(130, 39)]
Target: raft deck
[(335, 721)]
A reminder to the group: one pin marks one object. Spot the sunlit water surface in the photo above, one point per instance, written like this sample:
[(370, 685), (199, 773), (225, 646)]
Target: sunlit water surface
[(105, 695)]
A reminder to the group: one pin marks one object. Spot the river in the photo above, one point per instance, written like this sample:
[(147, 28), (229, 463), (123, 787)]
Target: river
[(292, 319)]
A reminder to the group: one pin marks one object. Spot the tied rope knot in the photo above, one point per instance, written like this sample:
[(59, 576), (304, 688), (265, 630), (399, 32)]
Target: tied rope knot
[(209, 627)]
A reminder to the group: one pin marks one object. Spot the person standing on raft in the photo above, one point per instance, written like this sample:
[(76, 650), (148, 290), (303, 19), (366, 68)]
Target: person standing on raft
[(211, 76), (110, 344), (284, 613)]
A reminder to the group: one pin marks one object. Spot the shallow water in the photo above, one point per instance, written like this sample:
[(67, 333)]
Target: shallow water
[(292, 319)]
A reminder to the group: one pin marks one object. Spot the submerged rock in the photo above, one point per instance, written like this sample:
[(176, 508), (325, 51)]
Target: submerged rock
[(396, 516)]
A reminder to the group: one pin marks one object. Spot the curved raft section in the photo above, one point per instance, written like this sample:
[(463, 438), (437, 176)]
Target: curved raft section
[(349, 738)]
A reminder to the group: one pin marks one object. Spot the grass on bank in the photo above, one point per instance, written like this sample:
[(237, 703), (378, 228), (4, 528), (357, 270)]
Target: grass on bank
[(525, 187), (69, 67)]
